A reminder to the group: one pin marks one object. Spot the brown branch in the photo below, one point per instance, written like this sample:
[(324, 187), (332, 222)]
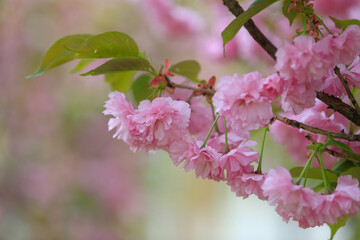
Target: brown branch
[(348, 91), (340, 107), (250, 26), (316, 130), (332, 152)]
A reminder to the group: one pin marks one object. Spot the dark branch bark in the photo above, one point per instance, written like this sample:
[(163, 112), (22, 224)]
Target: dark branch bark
[(316, 130), (340, 107), (348, 91), (250, 26)]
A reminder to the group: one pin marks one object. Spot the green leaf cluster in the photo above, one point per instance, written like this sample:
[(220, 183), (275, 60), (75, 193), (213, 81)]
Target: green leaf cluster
[(125, 61)]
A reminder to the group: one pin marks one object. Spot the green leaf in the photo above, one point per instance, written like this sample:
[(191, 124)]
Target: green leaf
[(290, 15), (141, 88), (343, 166), (121, 65), (314, 173), (231, 30), (105, 45), (120, 81), (335, 227), (82, 64), (57, 54), (187, 68), (354, 172), (345, 148), (345, 23)]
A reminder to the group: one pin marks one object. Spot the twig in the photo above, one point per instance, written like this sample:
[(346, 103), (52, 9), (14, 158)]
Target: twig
[(340, 107), (316, 130), (348, 91), (250, 26), (332, 152)]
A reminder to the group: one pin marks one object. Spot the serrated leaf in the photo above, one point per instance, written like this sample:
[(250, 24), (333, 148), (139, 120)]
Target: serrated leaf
[(105, 45), (290, 15), (335, 227), (141, 88), (345, 23), (82, 64), (121, 65), (314, 173), (120, 81), (57, 54), (232, 29), (187, 68)]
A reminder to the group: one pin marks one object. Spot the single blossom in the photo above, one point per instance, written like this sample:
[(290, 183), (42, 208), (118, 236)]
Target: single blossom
[(246, 184), (239, 100), (154, 125)]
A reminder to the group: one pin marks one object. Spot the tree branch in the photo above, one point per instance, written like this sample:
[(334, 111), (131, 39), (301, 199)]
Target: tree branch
[(340, 107), (349, 93), (316, 130), (250, 26)]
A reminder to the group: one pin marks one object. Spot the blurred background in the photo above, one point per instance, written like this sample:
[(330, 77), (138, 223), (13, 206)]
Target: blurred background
[(63, 176)]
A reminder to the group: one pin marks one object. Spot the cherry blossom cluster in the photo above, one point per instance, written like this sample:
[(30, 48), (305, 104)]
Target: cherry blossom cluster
[(211, 137)]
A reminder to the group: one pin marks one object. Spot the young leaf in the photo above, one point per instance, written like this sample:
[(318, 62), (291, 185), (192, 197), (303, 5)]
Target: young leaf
[(289, 14), (105, 45), (187, 68), (57, 55), (314, 173), (141, 88), (335, 227), (231, 30), (345, 23), (120, 81), (121, 65)]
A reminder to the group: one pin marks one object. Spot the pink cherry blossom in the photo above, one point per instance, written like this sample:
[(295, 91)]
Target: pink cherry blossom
[(172, 19), (239, 100), (272, 86), (152, 126), (204, 161), (239, 159), (246, 184), (307, 207), (335, 8)]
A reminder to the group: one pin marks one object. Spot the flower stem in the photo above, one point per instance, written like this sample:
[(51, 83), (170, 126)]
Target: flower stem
[(262, 151), (226, 138), (325, 178), (208, 135), (321, 21), (214, 117), (308, 163)]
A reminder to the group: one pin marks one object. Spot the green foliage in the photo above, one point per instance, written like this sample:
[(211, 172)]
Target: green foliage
[(335, 227), (345, 148), (232, 29), (187, 68), (120, 81), (290, 15), (343, 166), (345, 23), (105, 45), (141, 88), (314, 173), (121, 65), (57, 54)]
